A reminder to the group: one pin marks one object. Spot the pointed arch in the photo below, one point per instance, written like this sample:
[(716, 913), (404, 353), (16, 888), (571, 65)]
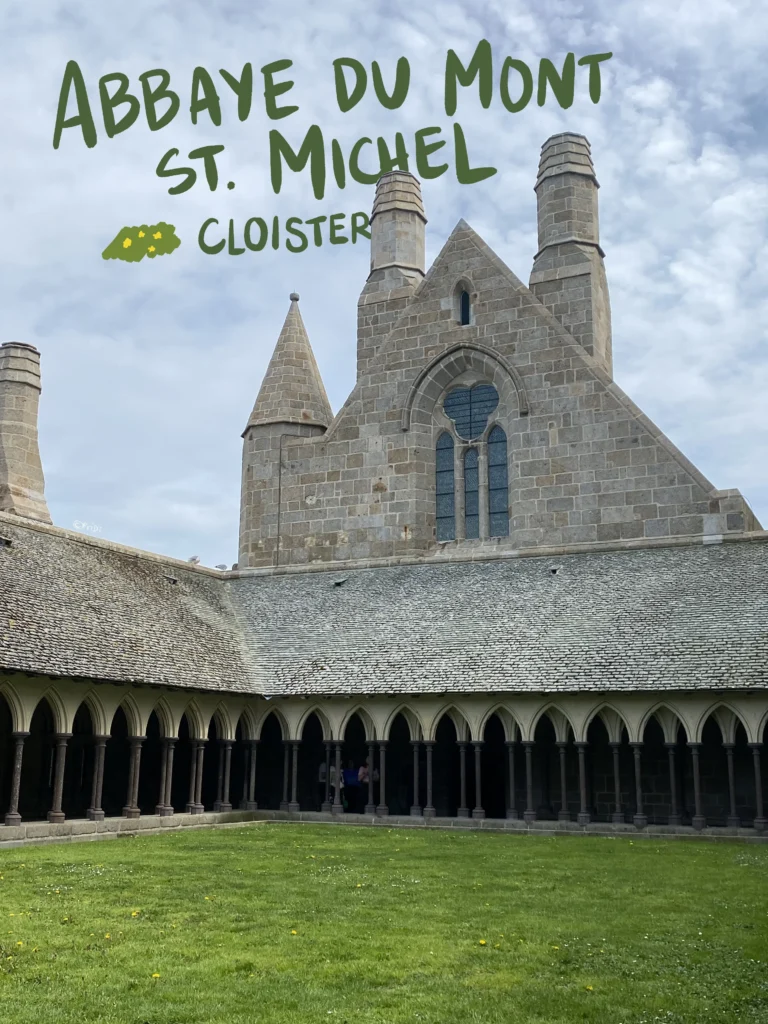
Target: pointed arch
[(365, 717), (15, 706), (459, 719), (561, 721), (55, 703), (507, 719), (279, 718), (322, 717), (412, 720), (727, 718), (247, 721), (432, 380), (224, 726), (97, 712), (132, 715), (668, 717), (164, 716), (198, 727), (613, 720)]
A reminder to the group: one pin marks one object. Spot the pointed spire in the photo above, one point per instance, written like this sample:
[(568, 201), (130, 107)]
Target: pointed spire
[(292, 390)]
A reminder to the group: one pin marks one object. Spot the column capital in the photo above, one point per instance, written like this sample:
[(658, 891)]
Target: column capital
[(510, 743), (19, 735), (136, 741), (477, 743), (170, 740), (728, 746), (62, 736), (693, 744), (636, 744), (382, 743), (670, 744), (580, 744)]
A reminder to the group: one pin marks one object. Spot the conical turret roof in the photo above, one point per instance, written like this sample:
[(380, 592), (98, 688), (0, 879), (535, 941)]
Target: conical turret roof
[(292, 390)]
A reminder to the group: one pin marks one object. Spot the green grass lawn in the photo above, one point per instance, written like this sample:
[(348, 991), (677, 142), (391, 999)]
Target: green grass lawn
[(318, 923)]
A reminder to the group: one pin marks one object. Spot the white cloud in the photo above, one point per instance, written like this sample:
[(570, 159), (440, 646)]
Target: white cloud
[(150, 370)]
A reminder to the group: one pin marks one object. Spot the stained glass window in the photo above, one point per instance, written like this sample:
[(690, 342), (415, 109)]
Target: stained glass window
[(469, 408), (498, 484), (444, 484), (471, 495)]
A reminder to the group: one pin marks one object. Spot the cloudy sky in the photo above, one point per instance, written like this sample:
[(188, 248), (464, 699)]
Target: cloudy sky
[(150, 369)]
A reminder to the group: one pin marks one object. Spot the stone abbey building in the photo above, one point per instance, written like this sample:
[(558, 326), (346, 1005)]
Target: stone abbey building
[(488, 573)]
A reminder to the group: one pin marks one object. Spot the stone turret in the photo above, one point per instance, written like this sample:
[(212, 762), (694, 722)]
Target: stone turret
[(568, 274), (398, 256), (292, 403), (22, 486)]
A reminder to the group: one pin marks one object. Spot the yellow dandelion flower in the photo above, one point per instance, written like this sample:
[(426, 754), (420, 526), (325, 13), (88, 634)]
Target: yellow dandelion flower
[(158, 234), (497, 945), (107, 935), (483, 942), (294, 932), (127, 243), (141, 234), (155, 975), (151, 248), (19, 943), (589, 988), (135, 913), (555, 947)]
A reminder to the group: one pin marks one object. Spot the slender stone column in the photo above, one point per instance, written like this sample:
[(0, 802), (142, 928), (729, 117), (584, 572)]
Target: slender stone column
[(251, 804), (293, 806), (416, 807), (246, 774), (219, 780), (760, 821), (583, 817), (562, 814), (463, 811), (698, 821), (370, 807), (429, 810), (286, 774), (131, 809), (733, 820), (639, 819), (95, 811), (511, 801), (226, 803), (56, 814), (160, 805), (199, 808), (382, 810), (477, 810), (529, 814), (338, 806), (326, 805), (674, 818), (617, 817), (165, 806), (13, 817), (192, 777)]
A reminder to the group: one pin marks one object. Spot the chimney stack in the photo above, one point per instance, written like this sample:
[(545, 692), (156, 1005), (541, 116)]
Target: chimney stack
[(398, 255), (568, 274), (22, 485)]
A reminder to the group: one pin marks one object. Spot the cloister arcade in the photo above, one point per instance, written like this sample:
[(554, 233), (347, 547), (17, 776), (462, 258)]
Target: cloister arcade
[(71, 750)]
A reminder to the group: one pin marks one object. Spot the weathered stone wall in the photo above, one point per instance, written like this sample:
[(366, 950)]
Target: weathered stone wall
[(21, 473)]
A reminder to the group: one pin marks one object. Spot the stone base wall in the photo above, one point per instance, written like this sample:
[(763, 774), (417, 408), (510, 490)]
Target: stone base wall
[(39, 832)]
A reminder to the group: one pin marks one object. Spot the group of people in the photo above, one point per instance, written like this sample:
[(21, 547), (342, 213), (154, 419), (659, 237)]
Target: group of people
[(351, 789)]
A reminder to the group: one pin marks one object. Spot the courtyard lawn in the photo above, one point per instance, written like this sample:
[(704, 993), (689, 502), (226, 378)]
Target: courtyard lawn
[(311, 923)]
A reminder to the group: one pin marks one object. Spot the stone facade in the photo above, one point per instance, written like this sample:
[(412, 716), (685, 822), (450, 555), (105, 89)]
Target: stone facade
[(585, 466), (21, 472)]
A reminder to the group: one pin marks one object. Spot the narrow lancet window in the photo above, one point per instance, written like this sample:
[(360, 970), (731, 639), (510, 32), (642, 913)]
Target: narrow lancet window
[(471, 495), (498, 484), (464, 308), (444, 480)]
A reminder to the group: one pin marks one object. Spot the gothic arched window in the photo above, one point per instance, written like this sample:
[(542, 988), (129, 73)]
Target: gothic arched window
[(464, 309), (444, 487), (471, 494), (498, 485)]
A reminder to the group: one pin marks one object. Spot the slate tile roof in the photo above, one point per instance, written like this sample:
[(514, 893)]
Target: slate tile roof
[(646, 619), (85, 609), (680, 618)]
